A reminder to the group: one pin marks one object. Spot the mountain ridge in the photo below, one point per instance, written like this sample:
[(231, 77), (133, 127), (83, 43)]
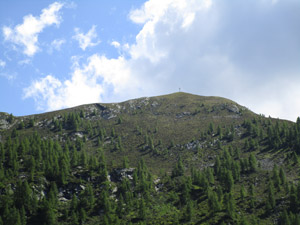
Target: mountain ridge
[(180, 94), (182, 157)]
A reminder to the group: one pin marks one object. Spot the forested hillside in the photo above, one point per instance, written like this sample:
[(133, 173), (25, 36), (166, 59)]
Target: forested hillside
[(173, 159)]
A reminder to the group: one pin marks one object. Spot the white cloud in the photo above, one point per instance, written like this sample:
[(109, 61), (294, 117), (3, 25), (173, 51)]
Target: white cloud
[(8, 76), (224, 48), (70, 5), (2, 63), (24, 62), (86, 40), (115, 44), (163, 18), (154, 10), (57, 43), (88, 84), (44, 92), (26, 34), (122, 49), (246, 51)]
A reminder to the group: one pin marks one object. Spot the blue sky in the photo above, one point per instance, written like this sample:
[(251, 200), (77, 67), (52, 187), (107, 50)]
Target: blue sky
[(59, 54)]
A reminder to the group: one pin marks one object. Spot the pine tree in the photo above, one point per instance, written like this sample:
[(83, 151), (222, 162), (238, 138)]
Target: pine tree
[(23, 216), (74, 218), (284, 218), (74, 203), (48, 213), (293, 199), (244, 221), (217, 166), (179, 169), (188, 214), (282, 176), (87, 198), (210, 175), (18, 218), (32, 168), (219, 193), (230, 205), (113, 132), (83, 215), (252, 196), (275, 177), (229, 182), (213, 201), (142, 209), (270, 204), (252, 162), (211, 128), (219, 132), (185, 197), (83, 159), (243, 192), (246, 145)]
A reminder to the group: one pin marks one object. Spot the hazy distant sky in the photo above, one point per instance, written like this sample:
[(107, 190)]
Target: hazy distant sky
[(61, 54)]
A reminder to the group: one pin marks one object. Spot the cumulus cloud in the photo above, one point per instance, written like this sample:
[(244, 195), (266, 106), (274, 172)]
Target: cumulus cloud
[(86, 40), (89, 83), (44, 91), (122, 48), (26, 34), (226, 48), (115, 44), (244, 50)]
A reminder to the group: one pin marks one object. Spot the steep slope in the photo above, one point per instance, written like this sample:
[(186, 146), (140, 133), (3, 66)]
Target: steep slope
[(178, 117), (184, 158)]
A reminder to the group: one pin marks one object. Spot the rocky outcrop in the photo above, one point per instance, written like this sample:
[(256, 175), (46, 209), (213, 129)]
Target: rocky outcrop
[(233, 108), (4, 121), (119, 174)]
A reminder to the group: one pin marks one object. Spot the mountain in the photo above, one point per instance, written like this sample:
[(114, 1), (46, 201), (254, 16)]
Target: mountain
[(172, 159)]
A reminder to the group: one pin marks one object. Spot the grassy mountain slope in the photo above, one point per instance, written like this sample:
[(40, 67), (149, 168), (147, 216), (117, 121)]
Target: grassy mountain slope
[(184, 158)]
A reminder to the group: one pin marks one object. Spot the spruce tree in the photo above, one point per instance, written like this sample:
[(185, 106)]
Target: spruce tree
[(243, 192), (275, 177), (142, 209), (270, 204), (188, 214), (252, 162), (282, 176), (230, 205), (213, 201)]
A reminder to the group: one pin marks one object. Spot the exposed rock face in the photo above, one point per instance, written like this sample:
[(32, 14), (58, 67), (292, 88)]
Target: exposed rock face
[(233, 108), (154, 104), (106, 112), (4, 124), (109, 114), (180, 115), (66, 192), (139, 103), (120, 174)]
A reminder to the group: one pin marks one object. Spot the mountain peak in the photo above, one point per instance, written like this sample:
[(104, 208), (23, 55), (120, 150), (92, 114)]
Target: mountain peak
[(169, 152)]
